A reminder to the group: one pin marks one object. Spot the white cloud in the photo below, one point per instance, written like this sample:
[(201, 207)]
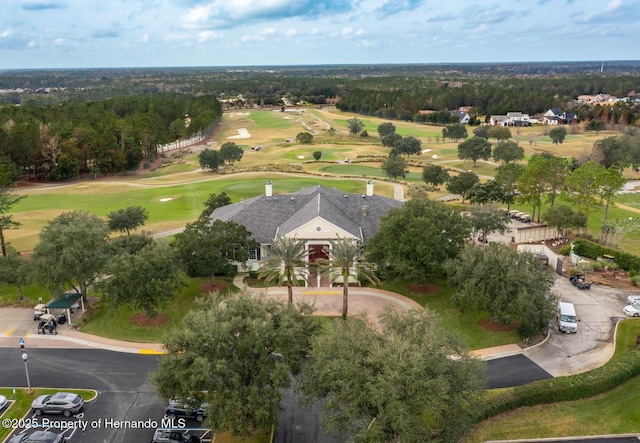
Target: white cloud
[(613, 5), (206, 36), (5, 34), (144, 39), (197, 18), (290, 33)]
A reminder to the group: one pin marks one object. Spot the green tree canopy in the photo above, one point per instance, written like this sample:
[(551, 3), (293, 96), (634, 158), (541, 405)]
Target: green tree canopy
[(582, 188), (473, 149), (414, 241), (564, 218), (409, 381), (435, 175), (390, 140), (394, 166), (207, 248), (408, 146), (355, 125), (558, 134), (14, 270), (145, 281), (499, 133), (455, 132), (514, 287), (386, 129), (508, 151), (213, 202), (8, 199), (317, 155), (595, 125), (462, 184), (508, 176), (230, 152), (127, 219), (72, 252), (211, 159), (236, 353), (304, 138), (487, 219)]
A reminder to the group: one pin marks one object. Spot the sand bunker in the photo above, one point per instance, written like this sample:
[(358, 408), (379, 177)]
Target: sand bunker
[(235, 114), (242, 133), (301, 157), (166, 199), (424, 151)]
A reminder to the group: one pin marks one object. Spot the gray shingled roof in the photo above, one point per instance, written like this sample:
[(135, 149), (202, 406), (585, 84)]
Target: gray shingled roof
[(282, 213)]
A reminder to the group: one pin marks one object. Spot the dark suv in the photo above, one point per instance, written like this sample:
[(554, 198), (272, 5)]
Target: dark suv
[(173, 436), (186, 408)]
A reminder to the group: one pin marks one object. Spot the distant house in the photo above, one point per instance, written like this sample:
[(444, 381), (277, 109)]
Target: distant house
[(556, 116), (313, 215), (462, 116), (499, 120), (511, 119), (518, 119)]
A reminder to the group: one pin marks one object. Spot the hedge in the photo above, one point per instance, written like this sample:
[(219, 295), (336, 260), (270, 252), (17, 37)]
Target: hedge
[(624, 260), (574, 387)]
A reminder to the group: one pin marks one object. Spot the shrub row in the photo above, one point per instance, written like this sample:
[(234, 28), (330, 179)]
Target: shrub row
[(593, 250), (574, 387)]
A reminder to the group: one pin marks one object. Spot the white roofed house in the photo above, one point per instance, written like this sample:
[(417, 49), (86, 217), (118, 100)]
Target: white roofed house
[(499, 120), (518, 119), (313, 215)]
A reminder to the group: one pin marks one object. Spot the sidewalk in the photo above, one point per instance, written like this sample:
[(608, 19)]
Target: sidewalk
[(16, 323)]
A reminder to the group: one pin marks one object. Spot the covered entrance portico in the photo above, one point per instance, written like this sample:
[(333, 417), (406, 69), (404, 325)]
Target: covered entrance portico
[(315, 252)]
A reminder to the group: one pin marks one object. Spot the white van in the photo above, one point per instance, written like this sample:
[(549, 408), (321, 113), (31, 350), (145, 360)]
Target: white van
[(567, 320)]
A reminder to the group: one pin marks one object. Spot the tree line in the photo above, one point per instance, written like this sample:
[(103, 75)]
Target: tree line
[(116, 135)]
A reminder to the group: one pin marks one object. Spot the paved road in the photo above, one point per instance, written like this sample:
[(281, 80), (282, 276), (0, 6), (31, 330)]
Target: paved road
[(511, 371), (122, 380)]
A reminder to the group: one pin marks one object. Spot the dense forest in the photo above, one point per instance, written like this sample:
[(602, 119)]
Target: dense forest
[(58, 124), (63, 141)]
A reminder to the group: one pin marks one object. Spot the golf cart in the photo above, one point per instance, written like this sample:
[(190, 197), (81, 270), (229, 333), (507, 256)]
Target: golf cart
[(47, 322), (579, 281)]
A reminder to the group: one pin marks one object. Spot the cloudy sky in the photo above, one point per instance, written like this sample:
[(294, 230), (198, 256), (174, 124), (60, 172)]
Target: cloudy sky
[(141, 33)]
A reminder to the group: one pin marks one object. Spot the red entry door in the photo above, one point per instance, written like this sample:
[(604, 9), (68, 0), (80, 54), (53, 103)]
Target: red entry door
[(318, 251)]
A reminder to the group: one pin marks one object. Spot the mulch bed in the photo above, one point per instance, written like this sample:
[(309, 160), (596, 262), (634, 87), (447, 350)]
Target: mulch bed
[(427, 288), (141, 320)]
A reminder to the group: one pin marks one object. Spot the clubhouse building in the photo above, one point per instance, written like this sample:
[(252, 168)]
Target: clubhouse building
[(313, 215)]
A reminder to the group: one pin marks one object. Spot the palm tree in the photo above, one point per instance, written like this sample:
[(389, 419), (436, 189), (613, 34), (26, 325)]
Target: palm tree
[(347, 260), (286, 254)]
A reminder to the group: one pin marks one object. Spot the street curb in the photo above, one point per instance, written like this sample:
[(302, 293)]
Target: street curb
[(100, 345)]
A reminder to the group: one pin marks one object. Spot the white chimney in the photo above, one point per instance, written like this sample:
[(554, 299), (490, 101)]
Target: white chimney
[(268, 189), (370, 188)]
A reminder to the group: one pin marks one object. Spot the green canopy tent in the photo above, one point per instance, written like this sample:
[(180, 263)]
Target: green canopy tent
[(66, 302)]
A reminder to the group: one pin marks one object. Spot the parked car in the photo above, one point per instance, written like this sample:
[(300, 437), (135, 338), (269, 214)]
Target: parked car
[(38, 437), (632, 310), (633, 299), (173, 436), (64, 403), (3, 402), (186, 408)]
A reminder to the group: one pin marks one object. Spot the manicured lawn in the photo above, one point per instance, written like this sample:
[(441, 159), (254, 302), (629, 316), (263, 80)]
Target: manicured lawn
[(356, 169), (9, 295), (272, 120), (22, 403), (169, 206), (614, 412), (118, 325), (466, 325)]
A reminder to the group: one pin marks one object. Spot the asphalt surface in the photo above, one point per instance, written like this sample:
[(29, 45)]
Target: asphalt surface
[(122, 380), (511, 371)]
